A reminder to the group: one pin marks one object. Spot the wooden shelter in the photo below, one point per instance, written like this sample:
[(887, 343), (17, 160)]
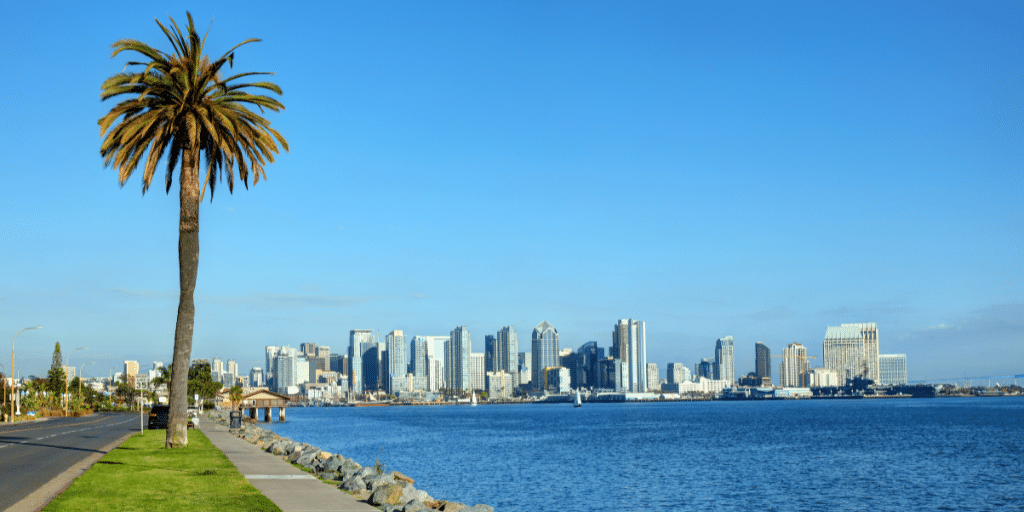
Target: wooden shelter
[(266, 400)]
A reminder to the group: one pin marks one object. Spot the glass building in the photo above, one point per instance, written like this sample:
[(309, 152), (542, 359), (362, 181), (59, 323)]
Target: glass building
[(544, 352)]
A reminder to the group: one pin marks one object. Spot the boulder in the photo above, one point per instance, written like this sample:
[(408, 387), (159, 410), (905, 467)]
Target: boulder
[(449, 506), (294, 456), (353, 484), (392, 508), (412, 493), (402, 478), (306, 459), (478, 508), (374, 481), (323, 455), (367, 472), (387, 494), (334, 463), (415, 506)]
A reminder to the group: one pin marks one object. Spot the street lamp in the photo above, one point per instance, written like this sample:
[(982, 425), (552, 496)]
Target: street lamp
[(67, 359), (10, 418)]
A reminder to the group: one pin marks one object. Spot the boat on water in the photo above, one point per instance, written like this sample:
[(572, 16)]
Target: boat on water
[(577, 402), (472, 401)]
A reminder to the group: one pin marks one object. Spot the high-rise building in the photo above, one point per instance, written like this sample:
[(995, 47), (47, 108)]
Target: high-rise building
[(499, 385), (762, 360), (793, 368), (589, 354), (544, 353), (131, 369), (892, 369), (705, 368), (418, 365), (358, 340), (675, 373), (456, 360), (232, 368), (217, 369), (852, 350), (653, 380), (525, 368), (507, 353), (256, 377), (268, 376), (490, 345), (629, 338), (373, 358), (725, 360), (308, 349), (397, 360), (476, 371)]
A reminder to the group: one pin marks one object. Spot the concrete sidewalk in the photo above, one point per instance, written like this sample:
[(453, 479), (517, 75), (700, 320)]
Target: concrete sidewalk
[(287, 486)]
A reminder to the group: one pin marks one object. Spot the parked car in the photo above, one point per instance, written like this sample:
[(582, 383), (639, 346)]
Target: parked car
[(158, 416)]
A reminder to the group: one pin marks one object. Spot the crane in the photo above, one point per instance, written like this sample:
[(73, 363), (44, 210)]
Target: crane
[(803, 364)]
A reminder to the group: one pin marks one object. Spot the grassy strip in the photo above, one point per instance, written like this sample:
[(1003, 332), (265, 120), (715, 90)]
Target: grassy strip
[(142, 475)]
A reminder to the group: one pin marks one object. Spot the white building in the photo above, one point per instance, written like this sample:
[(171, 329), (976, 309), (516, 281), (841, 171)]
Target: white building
[(701, 386), (793, 366), (653, 379), (725, 359), (476, 371), (852, 350), (892, 369), (630, 336), (500, 385), (823, 378)]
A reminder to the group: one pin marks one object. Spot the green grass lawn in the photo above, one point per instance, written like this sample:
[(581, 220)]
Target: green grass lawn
[(141, 475)]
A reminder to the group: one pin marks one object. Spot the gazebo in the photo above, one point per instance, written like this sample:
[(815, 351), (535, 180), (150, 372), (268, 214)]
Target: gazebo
[(266, 400)]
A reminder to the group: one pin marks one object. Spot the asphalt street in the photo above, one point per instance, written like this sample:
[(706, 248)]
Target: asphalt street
[(34, 452)]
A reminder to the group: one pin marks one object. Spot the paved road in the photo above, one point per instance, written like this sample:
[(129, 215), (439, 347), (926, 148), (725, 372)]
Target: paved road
[(33, 453)]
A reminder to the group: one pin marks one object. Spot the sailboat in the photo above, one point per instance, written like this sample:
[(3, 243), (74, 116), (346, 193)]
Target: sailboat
[(577, 402), (472, 401)]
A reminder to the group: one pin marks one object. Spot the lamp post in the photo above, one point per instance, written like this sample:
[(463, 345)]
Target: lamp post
[(10, 418), (67, 359)]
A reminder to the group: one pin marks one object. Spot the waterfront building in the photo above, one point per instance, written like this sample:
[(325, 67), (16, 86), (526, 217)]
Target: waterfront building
[(545, 352), (506, 352), (476, 371), (357, 340), (762, 361), (525, 371), (823, 378), (499, 385), (793, 366), (701, 386), (852, 350), (590, 354), (725, 360), (397, 360), (456, 360), (612, 374), (271, 352), (339, 364), (418, 362), (674, 373), (629, 338), (436, 375), (557, 380), (374, 358), (256, 377), (752, 380), (892, 369), (489, 348), (653, 379), (292, 369), (705, 368)]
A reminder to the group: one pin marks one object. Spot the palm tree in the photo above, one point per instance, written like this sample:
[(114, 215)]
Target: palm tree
[(182, 105)]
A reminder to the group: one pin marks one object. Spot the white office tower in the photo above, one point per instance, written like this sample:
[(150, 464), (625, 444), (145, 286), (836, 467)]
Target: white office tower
[(629, 343), (476, 371), (852, 350), (397, 361), (892, 369), (793, 366), (256, 377), (653, 380), (725, 360), (217, 370), (232, 367), (675, 373), (271, 351), (499, 385), (357, 340)]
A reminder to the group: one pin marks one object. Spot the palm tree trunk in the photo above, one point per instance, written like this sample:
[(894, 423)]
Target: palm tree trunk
[(188, 267)]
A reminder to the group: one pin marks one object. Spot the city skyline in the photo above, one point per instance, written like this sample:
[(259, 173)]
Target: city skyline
[(752, 165)]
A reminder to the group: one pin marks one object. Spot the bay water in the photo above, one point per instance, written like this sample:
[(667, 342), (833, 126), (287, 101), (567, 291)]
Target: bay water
[(963, 454)]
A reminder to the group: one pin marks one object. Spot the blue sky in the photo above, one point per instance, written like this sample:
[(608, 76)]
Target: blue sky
[(748, 169)]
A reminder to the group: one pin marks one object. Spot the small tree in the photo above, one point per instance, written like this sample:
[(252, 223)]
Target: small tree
[(55, 377)]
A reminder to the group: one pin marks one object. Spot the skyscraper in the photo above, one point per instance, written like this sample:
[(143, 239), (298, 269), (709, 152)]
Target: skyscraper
[(762, 360), (653, 380), (545, 352), (725, 360), (629, 338), (256, 377), (456, 359), (357, 340), (217, 369), (418, 362), (705, 368), (892, 369), (268, 376), (589, 354), (793, 367), (852, 350), (397, 359), (525, 370), (674, 373), (476, 371)]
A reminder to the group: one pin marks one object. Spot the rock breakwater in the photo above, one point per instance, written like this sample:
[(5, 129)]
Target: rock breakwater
[(390, 492)]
